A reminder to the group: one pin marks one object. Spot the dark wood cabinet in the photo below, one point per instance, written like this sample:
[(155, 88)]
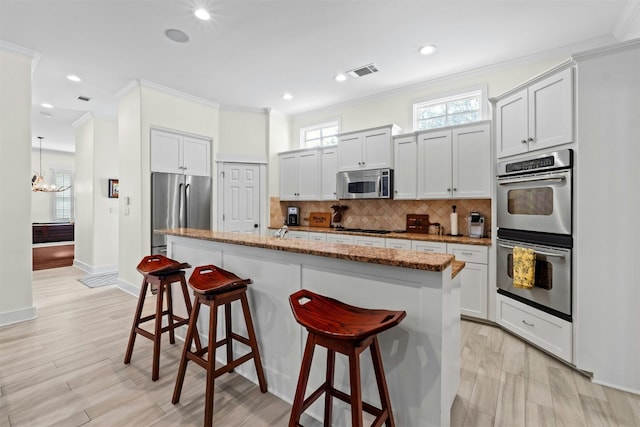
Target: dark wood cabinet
[(53, 232)]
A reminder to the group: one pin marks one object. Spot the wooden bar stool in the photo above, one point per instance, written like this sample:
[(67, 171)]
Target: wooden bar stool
[(160, 272), (214, 287), (347, 330)]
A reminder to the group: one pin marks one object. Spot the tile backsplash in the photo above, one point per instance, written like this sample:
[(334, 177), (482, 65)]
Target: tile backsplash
[(387, 214)]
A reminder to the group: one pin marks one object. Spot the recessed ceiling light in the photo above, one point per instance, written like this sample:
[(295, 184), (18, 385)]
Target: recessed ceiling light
[(340, 77), (427, 50), (287, 96), (202, 14), (177, 35), (46, 105), (74, 78)]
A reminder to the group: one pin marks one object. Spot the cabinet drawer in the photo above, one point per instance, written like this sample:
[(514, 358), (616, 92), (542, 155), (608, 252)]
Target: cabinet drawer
[(317, 237), (336, 238), (422, 246), (376, 242), (468, 253), (298, 235), (398, 244), (540, 328)]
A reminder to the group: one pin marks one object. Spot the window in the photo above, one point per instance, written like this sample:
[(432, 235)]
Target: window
[(449, 111), (318, 135), (63, 201)]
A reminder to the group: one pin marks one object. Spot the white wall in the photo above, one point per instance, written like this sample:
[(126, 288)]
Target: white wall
[(16, 299), (139, 110), (42, 203), (279, 141), (96, 230), (243, 132), (608, 231)]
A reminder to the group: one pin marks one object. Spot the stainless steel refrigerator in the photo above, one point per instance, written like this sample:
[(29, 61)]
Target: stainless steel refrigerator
[(178, 201)]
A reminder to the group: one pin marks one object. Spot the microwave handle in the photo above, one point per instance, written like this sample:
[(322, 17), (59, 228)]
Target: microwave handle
[(503, 181), (537, 252), (379, 184)]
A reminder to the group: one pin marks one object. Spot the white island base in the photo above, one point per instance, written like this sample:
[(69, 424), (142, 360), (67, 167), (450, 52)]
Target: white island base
[(420, 355)]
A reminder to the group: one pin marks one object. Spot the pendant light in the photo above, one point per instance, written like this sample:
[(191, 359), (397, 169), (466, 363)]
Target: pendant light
[(37, 181)]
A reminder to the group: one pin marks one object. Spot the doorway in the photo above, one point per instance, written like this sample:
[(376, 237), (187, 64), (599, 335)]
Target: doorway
[(241, 197)]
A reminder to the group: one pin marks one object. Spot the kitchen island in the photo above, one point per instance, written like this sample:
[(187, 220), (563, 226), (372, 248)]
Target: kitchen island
[(420, 356)]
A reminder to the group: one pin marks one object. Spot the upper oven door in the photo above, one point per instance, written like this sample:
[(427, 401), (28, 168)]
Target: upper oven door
[(536, 202)]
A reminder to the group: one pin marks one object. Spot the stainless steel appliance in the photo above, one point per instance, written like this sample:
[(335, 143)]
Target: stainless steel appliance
[(475, 224), (365, 184), (293, 215), (178, 201), (534, 194), (551, 291), (534, 211)]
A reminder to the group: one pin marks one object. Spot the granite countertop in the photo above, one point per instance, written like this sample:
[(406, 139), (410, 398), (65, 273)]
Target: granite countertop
[(466, 240), (383, 256)]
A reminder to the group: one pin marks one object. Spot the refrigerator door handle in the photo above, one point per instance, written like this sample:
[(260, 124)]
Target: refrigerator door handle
[(187, 201), (180, 205)]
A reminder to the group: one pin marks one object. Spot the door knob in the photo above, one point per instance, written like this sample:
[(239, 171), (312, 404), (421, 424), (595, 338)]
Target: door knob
[(255, 225)]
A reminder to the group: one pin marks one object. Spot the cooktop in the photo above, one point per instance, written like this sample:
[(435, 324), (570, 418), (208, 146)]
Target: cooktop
[(363, 230)]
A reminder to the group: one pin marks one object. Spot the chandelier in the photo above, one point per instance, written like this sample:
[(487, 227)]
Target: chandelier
[(37, 181)]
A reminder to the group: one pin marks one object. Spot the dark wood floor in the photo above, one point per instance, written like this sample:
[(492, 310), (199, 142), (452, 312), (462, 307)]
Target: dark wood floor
[(52, 257)]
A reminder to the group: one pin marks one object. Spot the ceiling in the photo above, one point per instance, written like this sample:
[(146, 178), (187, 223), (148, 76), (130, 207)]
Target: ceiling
[(251, 52)]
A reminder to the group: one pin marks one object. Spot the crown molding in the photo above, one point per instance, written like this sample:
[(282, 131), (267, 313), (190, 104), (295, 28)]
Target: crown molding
[(626, 19), (35, 56), (126, 89), (177, 93), (241, 109), (90, 115), (606, 50)]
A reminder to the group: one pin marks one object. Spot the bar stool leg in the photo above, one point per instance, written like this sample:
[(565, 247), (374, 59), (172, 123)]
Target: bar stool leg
[(155, 372), (228, 331), (136, 319), (328, 396), (253, 342), (187, 303), (172, 335), (192, 332), (211, 364), (303, 379), (385, 401), (356, 392)]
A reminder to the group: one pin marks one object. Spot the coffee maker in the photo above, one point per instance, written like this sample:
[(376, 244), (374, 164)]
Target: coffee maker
[(475, 223), (293, 215)]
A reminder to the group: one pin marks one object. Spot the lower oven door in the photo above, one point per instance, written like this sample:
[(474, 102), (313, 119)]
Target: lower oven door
[(552, 285)]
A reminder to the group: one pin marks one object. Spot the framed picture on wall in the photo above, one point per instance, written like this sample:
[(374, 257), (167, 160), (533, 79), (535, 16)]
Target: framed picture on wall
[(113, 188)]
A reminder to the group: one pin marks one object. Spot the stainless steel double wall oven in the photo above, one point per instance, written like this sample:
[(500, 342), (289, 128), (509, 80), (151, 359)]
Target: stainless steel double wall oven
[(534, 210)]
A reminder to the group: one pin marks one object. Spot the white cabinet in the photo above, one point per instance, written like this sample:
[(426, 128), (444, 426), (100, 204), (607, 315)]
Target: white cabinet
[(368, 149), (375, 242), (424, 246), (405, 171), (329, 168), (299, 172), (392, 243), (297, 235), (175, 153), (455, 163), (340, 238), (474, 290), (542, 329), (536, 117), (317, 237)]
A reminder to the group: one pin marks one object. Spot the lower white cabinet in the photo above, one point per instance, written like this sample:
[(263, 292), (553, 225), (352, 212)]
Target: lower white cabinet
[(423, 246), (398, 243), (340, 238), (474, 299), (376, 242), (317, 237), (298, 235), (542, 329)]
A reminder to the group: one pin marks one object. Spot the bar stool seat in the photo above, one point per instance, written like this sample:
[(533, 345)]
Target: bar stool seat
[(160, 273), (348, 330), (214, 287)]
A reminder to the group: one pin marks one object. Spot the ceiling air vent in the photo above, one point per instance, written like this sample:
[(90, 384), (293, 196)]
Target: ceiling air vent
[(83, 98), (363, 71)]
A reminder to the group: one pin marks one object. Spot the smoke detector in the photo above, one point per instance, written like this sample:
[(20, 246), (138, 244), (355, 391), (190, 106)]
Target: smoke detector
[(362, 71)]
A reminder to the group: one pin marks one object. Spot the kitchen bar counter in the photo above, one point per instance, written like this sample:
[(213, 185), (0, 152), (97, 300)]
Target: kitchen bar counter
[(421, 355), (465, 240)]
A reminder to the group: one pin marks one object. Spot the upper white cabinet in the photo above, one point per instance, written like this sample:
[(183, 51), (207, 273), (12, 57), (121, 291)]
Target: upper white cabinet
[(175, 153), (368, 149), (454, 163), (299, 173), (405, 167), (538, 116), (329, 168)]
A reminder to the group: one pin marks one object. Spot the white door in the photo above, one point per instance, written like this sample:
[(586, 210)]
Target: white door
[(406, 168), (472, 164), (377, 149), (329, 167), (434, 165), (511, 125), (241, 201)]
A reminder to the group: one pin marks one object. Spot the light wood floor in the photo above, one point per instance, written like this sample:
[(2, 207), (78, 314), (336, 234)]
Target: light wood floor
[(65, 368)]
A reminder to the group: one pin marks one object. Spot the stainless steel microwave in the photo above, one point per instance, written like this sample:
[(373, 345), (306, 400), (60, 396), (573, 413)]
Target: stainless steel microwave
[(365, 184)]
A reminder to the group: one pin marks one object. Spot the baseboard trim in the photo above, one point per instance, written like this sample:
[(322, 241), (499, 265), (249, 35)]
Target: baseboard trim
[(128, 287), (17, 316), (90, 269)]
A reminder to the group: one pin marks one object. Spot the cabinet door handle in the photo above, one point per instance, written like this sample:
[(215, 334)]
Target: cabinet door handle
[(448, 189), (524, 141), (455, 189), (530, 139), (527, 323), (466, 253)]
